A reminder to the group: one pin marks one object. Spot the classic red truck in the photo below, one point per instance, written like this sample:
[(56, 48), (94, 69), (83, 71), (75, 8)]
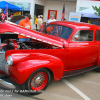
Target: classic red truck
[(62, 49)]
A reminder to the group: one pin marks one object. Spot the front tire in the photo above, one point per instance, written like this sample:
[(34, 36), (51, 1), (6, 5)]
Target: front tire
[(38, 81)]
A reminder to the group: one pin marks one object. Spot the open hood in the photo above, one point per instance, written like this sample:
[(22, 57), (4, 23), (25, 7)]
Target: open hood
[(16, 29)]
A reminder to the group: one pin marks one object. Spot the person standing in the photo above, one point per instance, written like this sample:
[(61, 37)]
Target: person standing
[(36, 22), (64, 19), (51, 19), (27, 24), (39, 23), (9, 18)]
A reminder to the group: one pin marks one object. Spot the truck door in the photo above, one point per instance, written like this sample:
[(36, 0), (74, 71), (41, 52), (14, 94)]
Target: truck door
[(82, 51)]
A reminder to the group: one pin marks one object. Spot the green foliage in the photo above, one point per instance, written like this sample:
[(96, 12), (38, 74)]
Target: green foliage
[(97, 10)]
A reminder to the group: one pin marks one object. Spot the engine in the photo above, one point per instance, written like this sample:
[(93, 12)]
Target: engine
[(29, 45)]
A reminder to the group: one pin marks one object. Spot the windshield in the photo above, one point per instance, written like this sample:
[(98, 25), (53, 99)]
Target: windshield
[(58, 30)]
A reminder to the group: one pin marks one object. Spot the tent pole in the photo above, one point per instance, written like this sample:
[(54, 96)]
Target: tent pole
[(22, 11)]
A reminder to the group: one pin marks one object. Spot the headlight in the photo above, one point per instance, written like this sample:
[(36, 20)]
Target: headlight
[(9, 60)]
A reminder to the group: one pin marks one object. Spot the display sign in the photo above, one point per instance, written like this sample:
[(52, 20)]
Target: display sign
[(94, 21), (74, 17), (24, 6), (85, 6)]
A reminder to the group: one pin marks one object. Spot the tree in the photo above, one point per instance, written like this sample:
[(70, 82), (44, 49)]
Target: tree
[(97, 10)]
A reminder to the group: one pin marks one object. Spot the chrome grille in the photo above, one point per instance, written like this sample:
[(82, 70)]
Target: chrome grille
[(6, 68), (2, 60)]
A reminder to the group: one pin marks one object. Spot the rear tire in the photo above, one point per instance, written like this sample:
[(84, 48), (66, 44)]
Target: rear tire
[(38, 81), (98, 69)]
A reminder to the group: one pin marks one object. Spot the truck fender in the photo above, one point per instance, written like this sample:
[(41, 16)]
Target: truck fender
[(23, 69)]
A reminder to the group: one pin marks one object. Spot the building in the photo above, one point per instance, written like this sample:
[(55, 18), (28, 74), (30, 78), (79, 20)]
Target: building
[(44, 7), (87, 12), (47, 7)]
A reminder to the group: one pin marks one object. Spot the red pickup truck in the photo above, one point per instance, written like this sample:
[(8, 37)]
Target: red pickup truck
[(62, 49)]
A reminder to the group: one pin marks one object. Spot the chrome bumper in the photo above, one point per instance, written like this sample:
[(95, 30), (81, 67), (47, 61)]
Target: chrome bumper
[(6, 85)]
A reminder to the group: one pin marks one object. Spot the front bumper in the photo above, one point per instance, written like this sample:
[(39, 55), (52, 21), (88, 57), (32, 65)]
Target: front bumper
[(6, 84), (4, 68)]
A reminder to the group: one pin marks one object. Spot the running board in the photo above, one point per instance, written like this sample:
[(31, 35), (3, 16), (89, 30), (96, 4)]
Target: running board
[(6, 85), (78, 71)]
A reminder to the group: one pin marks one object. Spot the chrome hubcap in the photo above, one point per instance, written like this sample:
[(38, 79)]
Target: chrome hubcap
[(38, 80)]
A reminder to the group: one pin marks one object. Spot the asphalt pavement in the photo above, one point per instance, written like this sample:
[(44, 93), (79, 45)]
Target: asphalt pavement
[(85, 86)]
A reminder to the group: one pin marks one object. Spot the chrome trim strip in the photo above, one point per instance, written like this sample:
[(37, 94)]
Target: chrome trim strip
[(39, 39), (16, 32), (22, 34), (50, 43), (28, 36), (44, 41), (33, 38)]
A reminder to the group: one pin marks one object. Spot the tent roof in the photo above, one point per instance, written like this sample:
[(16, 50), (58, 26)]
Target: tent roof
[(89, 15), (9, 6)]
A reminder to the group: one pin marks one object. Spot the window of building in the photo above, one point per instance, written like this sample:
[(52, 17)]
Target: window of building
[(83, 35)]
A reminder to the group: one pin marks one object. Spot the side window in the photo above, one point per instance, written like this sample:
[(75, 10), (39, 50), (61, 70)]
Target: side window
[(58, 30), (66, 32), (47, 29), (97, 35), (54, 30), (83, 35)]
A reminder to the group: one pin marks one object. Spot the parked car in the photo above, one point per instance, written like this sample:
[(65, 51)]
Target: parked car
[(62, 49), (15, 19)]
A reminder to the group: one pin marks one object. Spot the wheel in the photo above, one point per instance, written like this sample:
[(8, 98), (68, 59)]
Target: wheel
[(98, 69), (38, 81)]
